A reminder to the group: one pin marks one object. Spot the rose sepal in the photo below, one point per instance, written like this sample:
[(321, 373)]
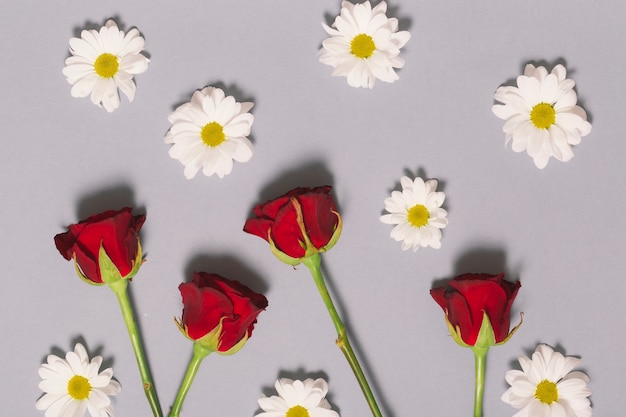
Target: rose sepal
[(209, 341), (456, 333), (486, 336), (83, 277), (335, 237), (236, 348), (513, 330), (307, 245), (136, 263), (282, 256), (108, 271)]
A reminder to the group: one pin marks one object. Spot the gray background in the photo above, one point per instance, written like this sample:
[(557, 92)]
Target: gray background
[(558, 230)]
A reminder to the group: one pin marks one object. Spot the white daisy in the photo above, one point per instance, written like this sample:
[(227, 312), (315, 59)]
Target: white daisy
[(209, 132), (364, 44), (297, 399), (541, 114), (546, 386), (74, 385), (103, 61), (416, 211)]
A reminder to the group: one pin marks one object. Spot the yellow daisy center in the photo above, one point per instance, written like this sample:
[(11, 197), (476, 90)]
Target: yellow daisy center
[(297, 411), (106, 65), (547, 392), (418, 215), (362, 46), (543, 115), (78, 387), (213, 134)]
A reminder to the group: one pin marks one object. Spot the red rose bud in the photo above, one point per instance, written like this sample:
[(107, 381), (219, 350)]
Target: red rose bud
[(478, 308), (301, 223), (105, 247), (219, 313)]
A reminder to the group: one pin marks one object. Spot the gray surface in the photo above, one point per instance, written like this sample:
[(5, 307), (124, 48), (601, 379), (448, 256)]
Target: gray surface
[(560, 230)]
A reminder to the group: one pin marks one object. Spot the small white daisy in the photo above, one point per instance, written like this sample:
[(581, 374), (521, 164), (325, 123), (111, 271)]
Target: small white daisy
[(209, 132), (541, 114), (103, 61), (364, 44), (297, 399), (74, 385), (416, 211), (546, 386)]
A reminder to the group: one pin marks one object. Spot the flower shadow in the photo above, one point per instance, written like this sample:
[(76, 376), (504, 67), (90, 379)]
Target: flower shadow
[(404, 23), (113, 197), (58, 351), (228, 267), (490, 260), (482, 259), (229, 90), (310, 174), (91, 25)]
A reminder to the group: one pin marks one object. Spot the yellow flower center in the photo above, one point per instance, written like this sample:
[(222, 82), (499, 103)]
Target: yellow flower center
[(78, 387), (547, 392), (213, 134), (106, 65), (362, 46), (297, 411), (543, 115), (418, 215)]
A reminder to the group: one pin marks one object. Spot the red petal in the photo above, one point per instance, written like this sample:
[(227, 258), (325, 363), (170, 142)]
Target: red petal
[(286, 232), (210, 298), (317, 210), (203, 309), (258, 227)]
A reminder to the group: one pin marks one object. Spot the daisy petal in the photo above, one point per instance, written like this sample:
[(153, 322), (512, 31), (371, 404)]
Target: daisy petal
[(103, 61), (541, 115)]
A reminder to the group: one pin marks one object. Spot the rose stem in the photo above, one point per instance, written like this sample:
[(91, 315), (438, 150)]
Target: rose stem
[(120, 289), (313, 263), (199, 353), (480, 355)]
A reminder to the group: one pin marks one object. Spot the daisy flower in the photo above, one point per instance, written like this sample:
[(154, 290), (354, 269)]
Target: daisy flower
[(416, 211), (364, 44), (209, 132), (541, 114), (546, 386), (297, 399), (74, 385), (103, 61)]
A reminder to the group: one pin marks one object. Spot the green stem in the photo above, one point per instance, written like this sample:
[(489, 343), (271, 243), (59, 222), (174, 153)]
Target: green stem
[(313, 263), (120, 289), (199, 353), (480, 355)]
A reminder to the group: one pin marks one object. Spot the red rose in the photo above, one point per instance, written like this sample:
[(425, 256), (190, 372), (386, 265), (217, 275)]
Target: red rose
[(219, 313), (116, 232), (469, 298), (302, 222)]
